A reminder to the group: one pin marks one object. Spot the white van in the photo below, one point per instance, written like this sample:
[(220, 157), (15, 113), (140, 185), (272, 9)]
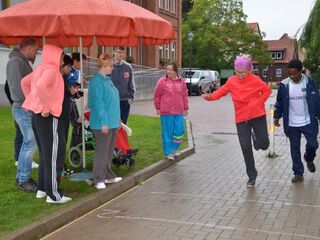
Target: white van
[(215, 79)]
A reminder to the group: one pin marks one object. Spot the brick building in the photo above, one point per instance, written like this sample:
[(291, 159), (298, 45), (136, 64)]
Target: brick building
[(151, 56)]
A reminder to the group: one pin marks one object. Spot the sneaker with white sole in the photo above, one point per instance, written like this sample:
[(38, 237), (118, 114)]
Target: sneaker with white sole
[(113, 180), (34, 165), (100, 185), (64, 199), (41, 194), (170, 157)]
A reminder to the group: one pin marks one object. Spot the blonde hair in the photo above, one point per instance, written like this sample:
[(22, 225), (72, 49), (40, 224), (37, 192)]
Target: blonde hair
[(105, 60)]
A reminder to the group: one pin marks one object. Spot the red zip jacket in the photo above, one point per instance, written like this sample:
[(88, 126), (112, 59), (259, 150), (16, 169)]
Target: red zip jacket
[(171, 96), (248, 95)]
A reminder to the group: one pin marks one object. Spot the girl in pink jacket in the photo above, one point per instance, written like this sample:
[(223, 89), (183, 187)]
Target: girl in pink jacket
[(44, 92), (171, 103)]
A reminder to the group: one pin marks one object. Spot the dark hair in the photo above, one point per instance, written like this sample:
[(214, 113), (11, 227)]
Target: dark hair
[(76, 56), (295, 63), (67, 60), (121, 48), (174, 66), (28, 42)]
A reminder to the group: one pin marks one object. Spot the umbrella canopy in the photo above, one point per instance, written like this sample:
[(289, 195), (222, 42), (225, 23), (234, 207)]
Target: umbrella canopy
[(61, 22)]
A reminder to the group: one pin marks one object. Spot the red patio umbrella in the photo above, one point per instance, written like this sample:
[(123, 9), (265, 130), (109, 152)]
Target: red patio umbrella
[(68, 23), (62, 22)]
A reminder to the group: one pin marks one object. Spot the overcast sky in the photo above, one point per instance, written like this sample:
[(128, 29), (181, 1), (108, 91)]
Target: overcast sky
[(276, 17)]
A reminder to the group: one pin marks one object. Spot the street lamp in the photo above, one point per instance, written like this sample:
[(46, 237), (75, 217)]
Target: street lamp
[(190, 37)]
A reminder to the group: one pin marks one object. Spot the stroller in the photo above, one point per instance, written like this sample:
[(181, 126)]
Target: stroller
[(123, 153)]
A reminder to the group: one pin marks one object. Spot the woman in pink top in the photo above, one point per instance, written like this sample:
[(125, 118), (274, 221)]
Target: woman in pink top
[(44, 92), (171, 103)]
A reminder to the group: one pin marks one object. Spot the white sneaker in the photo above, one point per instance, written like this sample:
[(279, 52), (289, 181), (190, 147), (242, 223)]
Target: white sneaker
[(100, 185), (41, 194), (34, 165), (170, 157), (62, 200), (113, 180)]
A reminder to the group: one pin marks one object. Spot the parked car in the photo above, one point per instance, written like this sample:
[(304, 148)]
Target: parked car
[(215, 76), (198, 81)]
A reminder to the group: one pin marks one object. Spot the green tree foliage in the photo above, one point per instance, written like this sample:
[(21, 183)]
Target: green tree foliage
[(310, 41), (220, 33), (186, 7)]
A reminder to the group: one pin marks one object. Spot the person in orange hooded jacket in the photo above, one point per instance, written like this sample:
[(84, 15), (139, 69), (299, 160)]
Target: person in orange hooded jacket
[(44, 92), (249, 94)]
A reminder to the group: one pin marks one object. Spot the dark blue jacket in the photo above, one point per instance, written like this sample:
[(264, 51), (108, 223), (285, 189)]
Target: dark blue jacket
[(313, 101)]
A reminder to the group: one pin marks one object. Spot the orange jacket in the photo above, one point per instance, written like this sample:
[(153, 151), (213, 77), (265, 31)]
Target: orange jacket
[(248, 95), (44, 87)]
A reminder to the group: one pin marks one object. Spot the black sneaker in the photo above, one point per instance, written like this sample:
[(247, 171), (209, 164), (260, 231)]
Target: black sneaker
[(297, 179), (251, 183), (28, 186), (311, 167)]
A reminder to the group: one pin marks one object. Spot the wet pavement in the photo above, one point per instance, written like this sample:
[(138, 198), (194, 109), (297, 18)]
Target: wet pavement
[(205, 195)]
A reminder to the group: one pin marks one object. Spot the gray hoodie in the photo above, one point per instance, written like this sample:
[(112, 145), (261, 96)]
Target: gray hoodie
[(17, 68)]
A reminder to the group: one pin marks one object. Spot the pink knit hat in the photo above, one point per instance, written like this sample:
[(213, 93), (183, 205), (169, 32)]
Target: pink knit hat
[(243, 62)]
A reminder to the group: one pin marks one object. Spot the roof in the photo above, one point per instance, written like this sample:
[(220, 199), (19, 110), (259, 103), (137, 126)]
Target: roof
[(285, 44)]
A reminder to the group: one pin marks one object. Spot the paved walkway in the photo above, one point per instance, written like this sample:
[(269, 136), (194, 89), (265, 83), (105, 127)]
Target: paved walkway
[(205, 196)]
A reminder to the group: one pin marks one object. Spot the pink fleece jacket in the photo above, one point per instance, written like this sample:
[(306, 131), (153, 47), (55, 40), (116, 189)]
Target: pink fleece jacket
[(171, 96), (44, 87)]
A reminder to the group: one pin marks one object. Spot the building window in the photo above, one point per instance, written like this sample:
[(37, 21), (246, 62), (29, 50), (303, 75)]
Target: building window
[(166, 5), (173, 6), (161, 4), (279, 55), (256, 71), (168, 51), (278, 72), (274, 55), (161, 51), (264, 73), (173, 50)]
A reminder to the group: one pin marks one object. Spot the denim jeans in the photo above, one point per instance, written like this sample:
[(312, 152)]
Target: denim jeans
[(28, 147), (294, 134)]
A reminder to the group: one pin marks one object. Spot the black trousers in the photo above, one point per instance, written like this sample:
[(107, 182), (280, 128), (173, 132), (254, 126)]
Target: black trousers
[(50, 137), (244, 129), (125, 109)]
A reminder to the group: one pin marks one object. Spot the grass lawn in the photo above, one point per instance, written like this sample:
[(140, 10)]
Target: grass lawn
[(19, 208)]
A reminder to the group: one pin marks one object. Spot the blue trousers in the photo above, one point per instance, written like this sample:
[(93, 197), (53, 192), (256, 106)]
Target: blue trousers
[(172, 132), (124, 110), (294, 134)]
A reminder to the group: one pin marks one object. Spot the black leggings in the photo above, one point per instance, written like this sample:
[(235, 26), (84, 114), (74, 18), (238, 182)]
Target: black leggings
[(244, 129)]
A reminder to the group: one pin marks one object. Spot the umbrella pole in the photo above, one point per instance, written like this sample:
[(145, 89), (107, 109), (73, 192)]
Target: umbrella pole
[(80, 176)]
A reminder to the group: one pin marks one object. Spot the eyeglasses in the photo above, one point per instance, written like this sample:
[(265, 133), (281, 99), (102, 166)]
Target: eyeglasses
[(241, 73)]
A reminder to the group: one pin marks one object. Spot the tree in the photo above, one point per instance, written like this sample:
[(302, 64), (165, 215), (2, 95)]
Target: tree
[(186, 7), (220, 33), (310, 41)]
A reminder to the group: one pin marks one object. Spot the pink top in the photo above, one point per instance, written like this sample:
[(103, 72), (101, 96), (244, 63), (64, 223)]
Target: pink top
[(44, 87), (171, 96)]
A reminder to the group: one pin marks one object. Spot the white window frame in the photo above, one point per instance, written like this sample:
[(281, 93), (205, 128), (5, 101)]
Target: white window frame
[(264, 73), (161, 47), (173, 6), (279, 55), (279, 72), (168, 51), (161, 4), (256, 71), (173, 50), (166, 4), (273, 55)]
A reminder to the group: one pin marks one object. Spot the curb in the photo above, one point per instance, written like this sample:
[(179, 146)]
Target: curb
[(41, 228)]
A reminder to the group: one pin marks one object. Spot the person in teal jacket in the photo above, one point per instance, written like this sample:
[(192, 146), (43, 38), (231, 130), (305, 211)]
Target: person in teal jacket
[(104, 104)]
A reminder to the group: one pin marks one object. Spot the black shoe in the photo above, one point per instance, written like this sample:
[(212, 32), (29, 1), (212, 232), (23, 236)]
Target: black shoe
[(311, 167), (28, 186), (297, 179), (251, 183)]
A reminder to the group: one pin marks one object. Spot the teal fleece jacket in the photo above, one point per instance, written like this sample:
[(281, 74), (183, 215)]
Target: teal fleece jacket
[(104, 103)]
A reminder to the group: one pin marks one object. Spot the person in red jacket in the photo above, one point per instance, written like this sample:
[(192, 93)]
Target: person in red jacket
[(171, 103), (249, 94)]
